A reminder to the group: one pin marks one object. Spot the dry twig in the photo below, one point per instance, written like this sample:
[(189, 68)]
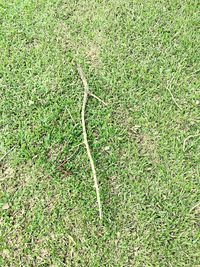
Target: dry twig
[(10, 150), (85, 98), (195, 206), (186, 139), (100, 100), (70, 115), (175, 102), (173, 98)]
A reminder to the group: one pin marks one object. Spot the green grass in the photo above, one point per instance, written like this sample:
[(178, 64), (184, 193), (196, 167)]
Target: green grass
[(132, 52)]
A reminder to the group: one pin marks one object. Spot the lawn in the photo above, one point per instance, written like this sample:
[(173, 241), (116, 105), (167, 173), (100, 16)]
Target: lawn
[(141, 58)]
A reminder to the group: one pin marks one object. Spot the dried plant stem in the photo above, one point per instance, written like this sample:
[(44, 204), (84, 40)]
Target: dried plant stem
[(85, 98), (186, 139), (10, 150), (175, 102), (100, 100), (195, 206), (170, 92)]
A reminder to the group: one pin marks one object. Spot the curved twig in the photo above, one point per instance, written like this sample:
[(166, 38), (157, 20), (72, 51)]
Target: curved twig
[(186, 139), (85, 98), (10, 150)]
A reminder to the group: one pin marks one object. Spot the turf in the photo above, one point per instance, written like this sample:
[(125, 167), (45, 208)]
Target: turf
[(141, 57)]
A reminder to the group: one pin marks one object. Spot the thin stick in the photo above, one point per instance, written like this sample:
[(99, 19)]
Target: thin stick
[(10, 150), (175, 102), (195, 206), (173, 98), (186, 139), (70, 115), (85, 98), (100, 100)]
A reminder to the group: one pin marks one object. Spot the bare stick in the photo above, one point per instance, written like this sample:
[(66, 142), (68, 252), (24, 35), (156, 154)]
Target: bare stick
[(70, 115), (175, 102), (10, 150), (173, 98), (186, 139), (85, 98), (195, 206), (100, 100)]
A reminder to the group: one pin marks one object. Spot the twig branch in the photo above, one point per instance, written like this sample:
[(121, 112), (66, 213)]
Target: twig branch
[(85, 98), (10, 150), (70, 115), (186, 139), (175, 102), (195, 206), (100, 100)]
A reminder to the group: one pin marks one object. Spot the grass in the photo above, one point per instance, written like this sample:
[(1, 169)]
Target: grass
[(134, 53)]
